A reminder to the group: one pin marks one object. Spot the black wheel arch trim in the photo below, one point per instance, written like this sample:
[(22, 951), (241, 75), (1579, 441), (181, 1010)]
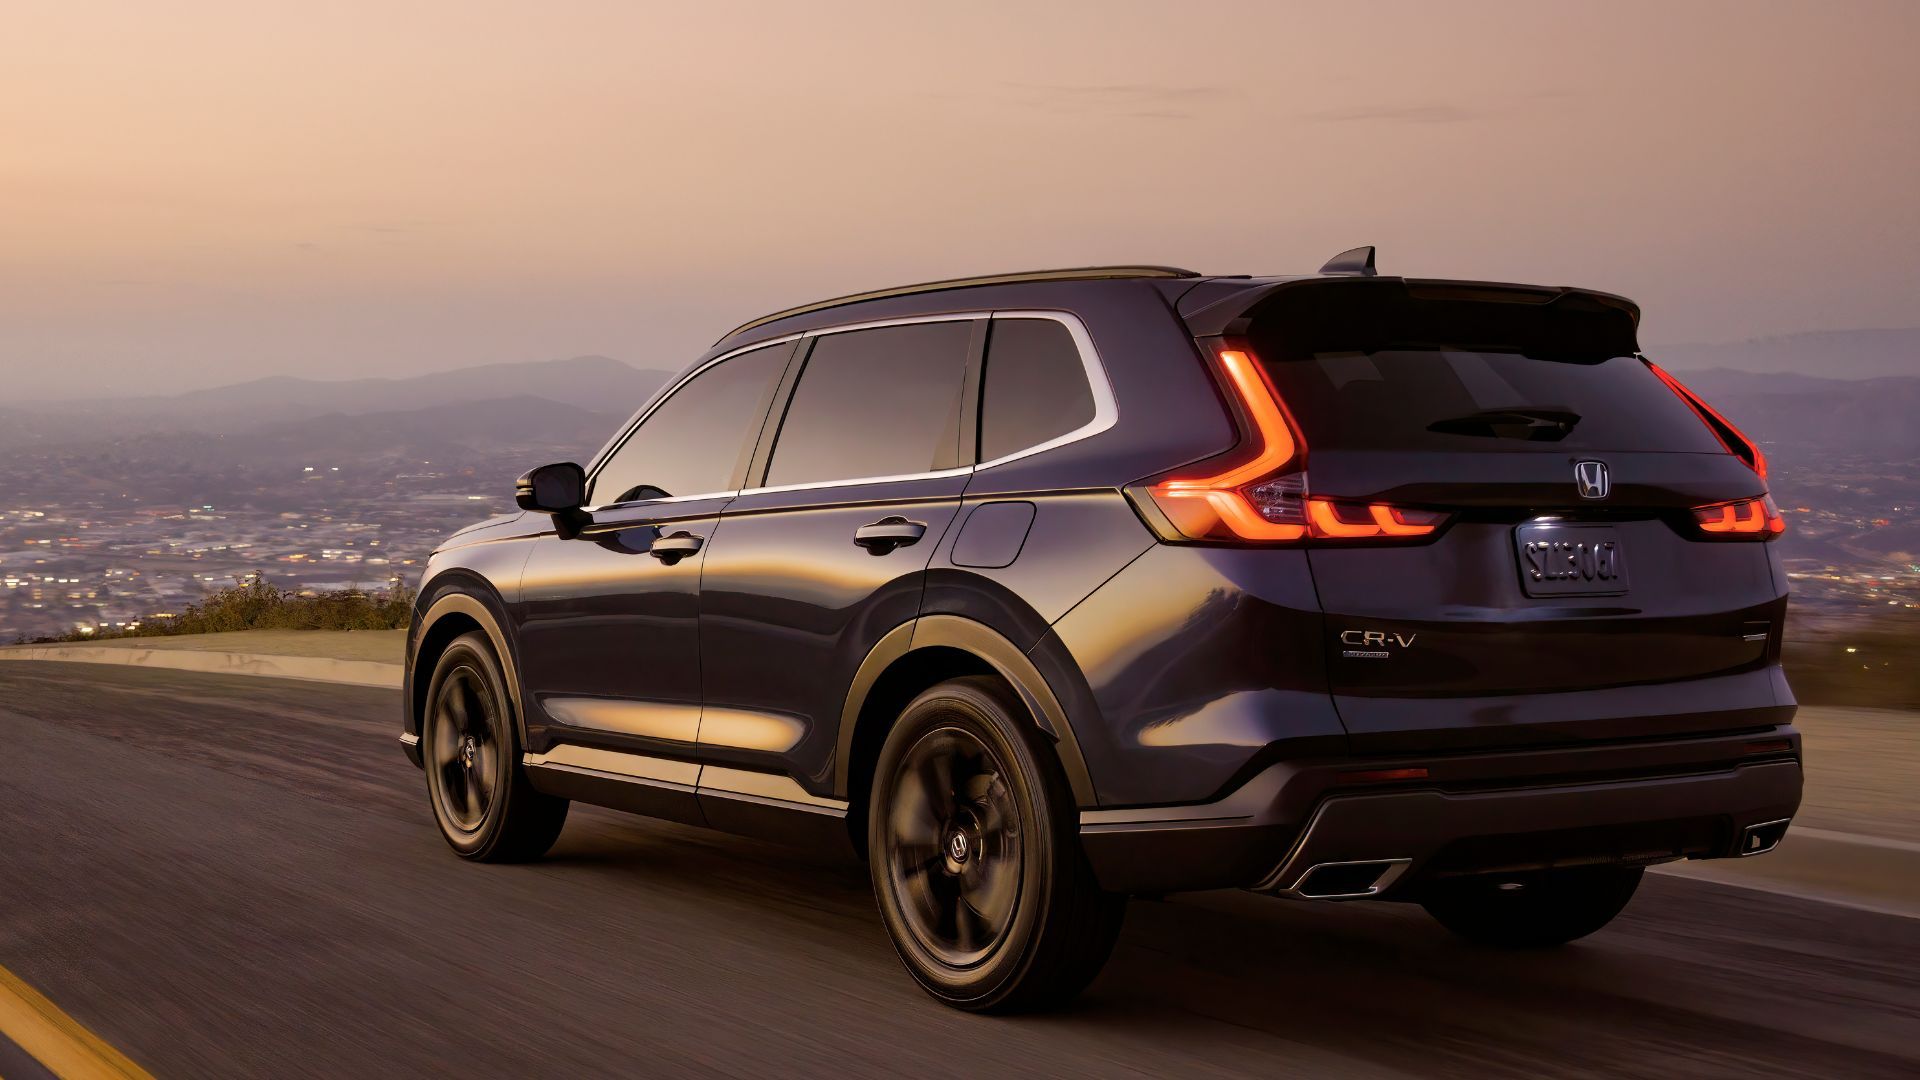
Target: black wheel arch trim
[(989, 646), (475, 599)]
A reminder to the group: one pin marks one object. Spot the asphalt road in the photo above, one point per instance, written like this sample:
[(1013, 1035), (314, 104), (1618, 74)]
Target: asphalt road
[(226, 876)]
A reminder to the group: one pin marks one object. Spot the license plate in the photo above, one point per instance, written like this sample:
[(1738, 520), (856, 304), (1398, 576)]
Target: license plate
[(1570, 560)]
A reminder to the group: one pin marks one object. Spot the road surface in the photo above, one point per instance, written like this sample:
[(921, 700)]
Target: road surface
[(223, 876)]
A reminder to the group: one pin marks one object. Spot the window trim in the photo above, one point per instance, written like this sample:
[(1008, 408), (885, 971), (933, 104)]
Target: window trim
[(781, 406), (1105, 408), (606, 453)]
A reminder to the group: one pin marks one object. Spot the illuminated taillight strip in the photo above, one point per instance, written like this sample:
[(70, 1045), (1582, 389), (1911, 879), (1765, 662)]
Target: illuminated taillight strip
[(1277, 444), (1722, 428), (1278, 447), (1218, 507), (1742, 518)]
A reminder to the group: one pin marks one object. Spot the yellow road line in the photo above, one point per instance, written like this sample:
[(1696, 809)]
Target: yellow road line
[(57, 1040)]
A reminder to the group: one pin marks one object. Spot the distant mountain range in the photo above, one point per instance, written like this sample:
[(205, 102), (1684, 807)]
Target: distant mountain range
[(1805, 402), (587, 382), (278, 407), (1832, 354), (449, 433), (1803, 412)]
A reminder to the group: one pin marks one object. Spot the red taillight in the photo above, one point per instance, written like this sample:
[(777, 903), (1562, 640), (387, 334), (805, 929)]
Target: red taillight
[(1264, 498), (1742, 519), (1730, 437), (1332, 520), (1216, 506)]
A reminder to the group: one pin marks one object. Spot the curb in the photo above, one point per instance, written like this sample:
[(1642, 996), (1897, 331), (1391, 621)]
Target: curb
[(306, 668)]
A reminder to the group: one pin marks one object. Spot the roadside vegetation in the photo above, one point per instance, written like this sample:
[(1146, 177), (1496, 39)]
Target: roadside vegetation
[(1874, 662), (259, 605)]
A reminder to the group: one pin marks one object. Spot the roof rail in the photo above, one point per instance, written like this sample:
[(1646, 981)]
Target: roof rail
[(1082, 273)]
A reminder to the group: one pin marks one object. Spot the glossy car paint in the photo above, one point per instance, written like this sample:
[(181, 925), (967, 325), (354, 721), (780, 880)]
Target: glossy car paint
[(610, 633), (1196, 693), (791, 607)]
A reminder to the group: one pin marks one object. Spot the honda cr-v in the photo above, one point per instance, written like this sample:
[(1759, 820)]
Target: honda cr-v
[(1047, 589)]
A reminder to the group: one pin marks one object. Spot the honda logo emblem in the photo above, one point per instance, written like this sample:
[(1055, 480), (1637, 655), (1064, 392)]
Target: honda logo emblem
[(1591, 478)]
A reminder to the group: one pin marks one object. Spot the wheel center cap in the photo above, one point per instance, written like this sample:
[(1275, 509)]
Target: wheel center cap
[(468, 750), (958, 846)]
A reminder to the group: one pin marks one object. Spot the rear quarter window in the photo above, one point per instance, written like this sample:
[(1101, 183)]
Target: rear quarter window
[(1034, 387)]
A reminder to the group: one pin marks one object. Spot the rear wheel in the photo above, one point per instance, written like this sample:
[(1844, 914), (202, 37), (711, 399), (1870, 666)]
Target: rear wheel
[(1533, 911), (973, 845), (486, 809)]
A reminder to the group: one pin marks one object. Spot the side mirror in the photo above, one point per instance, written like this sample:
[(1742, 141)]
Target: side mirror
[(552, 489), (559, 489)]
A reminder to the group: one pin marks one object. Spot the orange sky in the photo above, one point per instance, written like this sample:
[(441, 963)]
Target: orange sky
[(202, 192)]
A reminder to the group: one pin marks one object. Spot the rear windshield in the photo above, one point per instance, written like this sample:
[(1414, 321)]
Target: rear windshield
[(1386, 367), (1452, 399)]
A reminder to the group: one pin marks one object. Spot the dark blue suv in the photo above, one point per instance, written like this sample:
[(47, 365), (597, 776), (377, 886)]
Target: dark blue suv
[(1047, 589)]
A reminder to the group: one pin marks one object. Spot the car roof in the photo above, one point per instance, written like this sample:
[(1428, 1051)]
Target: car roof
[(1208, 303), (1081, 273)]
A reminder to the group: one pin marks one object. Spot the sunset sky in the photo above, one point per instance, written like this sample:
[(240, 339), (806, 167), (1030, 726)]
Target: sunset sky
[(199, 192)]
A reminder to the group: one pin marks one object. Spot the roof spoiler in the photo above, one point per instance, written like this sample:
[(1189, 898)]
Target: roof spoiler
[(1232, 314)]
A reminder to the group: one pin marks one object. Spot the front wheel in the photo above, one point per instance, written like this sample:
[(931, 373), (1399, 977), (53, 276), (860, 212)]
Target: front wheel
[(1533, 911), (485, 806), (973, 844)]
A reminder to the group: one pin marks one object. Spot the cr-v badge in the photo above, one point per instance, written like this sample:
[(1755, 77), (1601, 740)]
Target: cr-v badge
[(1373, 644), (1591, 477)]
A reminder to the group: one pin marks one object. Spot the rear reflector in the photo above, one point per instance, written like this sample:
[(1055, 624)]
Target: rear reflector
[(1379, 776)]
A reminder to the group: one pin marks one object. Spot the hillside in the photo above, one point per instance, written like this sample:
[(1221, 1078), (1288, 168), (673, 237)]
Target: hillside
[(1841, 354), (594, 383), (1802, 413), (440, 433), (584, 381)]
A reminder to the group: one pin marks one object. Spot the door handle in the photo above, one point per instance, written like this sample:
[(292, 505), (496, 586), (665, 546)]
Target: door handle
[(888, 533), (671, 549)]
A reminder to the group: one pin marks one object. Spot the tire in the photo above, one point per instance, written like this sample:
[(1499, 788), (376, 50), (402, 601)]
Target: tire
[(481, 799), (972, 840), (1534, 911)]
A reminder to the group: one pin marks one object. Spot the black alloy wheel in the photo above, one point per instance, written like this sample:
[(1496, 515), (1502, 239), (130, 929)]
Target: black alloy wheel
[(954, 850), (466, 755), (973, 844), (487, 809)]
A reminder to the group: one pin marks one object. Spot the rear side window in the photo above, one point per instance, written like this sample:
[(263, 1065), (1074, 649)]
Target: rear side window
[(880, 402), (1034, 387), (692, 443)]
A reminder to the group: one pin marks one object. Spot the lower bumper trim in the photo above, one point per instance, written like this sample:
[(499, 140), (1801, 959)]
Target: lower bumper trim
[(1247, 839)]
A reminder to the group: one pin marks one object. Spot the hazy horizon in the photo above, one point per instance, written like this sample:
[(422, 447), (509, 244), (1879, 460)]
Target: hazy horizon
[(203, 195)]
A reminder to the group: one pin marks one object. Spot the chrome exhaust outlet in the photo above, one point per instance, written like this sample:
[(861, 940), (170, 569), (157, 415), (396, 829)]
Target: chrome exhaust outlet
[(1350, 880), (1764, 837)]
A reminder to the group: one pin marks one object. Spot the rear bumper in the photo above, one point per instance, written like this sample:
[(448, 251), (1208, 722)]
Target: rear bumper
[(1634, 804)]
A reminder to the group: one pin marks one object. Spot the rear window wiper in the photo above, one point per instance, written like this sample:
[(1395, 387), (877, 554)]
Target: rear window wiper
[(1535, 423)]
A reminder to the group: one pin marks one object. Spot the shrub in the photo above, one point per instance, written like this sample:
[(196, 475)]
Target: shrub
[(258, 605)]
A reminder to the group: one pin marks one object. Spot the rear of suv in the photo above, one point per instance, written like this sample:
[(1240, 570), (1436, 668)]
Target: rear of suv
[(1044, 590)]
